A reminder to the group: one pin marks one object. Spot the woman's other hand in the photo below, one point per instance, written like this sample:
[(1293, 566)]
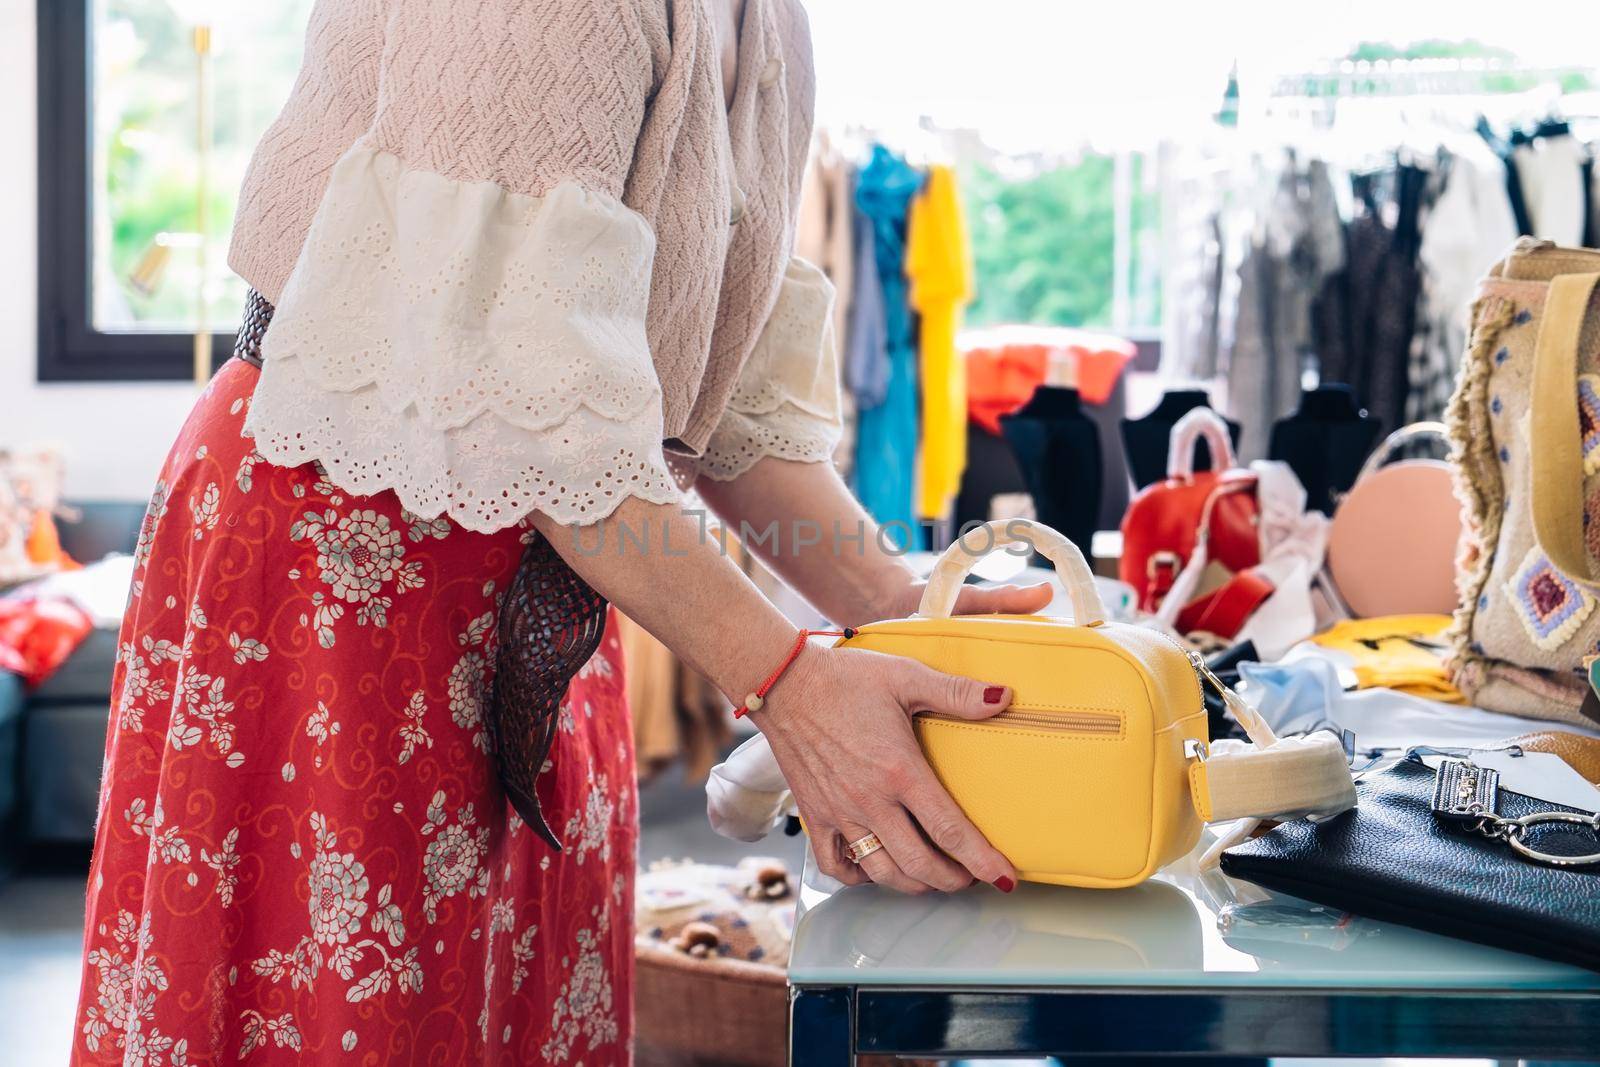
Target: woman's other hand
[(840, 726), (973, 599)]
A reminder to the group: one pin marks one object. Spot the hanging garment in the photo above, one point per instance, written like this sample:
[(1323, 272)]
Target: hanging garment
[(825, 230), (1194, 349), (825, 236), (1468, 226), (887, 445), (678, 717), (303, 847), (1258, 369), (1378, 294), (1208, 223), (866, 347), (1591, 237), (939, 268), (1005, 365), (1297, 247), (652, 698), (1552, 176)]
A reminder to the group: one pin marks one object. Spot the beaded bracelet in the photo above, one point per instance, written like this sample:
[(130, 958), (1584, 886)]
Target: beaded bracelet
[(754, 701)]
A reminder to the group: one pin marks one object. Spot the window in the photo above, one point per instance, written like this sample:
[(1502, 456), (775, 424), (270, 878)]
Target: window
[(125, 271), (1067, 243)]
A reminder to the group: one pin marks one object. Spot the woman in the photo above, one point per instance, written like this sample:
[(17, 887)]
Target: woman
[(512, 254)]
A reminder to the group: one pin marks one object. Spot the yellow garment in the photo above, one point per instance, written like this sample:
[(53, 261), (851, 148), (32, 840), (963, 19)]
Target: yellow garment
[(939, 268), (1400, 652), (677, 715)]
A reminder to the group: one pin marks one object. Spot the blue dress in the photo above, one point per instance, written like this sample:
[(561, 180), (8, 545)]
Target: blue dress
[(886, 443)]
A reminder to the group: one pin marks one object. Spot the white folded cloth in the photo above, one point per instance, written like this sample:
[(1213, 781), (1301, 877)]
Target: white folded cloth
[(746, 796)]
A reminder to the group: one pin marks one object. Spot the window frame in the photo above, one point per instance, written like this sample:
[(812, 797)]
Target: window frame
[(70, 349)]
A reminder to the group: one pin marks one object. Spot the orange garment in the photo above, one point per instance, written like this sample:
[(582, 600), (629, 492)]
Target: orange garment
[(1005, 366), (939, 268), (44, 543)]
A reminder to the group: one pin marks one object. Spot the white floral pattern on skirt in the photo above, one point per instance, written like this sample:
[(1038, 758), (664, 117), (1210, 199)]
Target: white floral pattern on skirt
[(302, 850)]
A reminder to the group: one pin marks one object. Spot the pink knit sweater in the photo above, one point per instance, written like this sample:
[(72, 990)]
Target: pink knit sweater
[(620, 97)]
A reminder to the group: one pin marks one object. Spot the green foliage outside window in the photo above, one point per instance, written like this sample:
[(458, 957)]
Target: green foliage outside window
[(146, 155), (1044, 245)]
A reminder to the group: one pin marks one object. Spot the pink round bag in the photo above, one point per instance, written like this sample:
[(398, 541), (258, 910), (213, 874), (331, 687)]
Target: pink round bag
[(1392, 542)]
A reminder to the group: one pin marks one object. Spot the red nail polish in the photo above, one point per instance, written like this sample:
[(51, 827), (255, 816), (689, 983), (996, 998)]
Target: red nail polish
[(1004, 884), (994, 694)]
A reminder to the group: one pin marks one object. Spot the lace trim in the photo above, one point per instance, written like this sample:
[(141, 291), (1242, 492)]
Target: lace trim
[(786, 403), (481, 353)]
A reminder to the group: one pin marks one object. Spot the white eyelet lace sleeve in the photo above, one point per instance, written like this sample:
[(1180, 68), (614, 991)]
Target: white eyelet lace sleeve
[(786, 403), (479, 352)]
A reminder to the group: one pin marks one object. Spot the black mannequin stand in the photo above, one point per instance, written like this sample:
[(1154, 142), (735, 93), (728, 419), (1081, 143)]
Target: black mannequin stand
[(1058, 449), (1147, 438), (1325, 442)]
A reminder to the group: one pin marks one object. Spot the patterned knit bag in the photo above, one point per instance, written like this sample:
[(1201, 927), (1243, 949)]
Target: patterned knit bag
[(1525, 434)]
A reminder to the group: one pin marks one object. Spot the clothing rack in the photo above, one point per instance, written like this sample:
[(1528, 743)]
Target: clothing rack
[(1471, 75)]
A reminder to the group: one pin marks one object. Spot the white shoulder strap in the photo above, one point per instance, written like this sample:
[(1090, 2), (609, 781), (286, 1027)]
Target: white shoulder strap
[(1270, 779)]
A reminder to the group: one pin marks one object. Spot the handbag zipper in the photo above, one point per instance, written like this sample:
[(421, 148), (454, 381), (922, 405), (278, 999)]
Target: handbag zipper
[(1091, 723), (1068, 722), (1197, 664)]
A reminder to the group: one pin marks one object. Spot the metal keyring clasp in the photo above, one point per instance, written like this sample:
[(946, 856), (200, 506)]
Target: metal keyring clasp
[(1518, 827)]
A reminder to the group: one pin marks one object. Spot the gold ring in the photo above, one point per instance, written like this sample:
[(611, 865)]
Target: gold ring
[(860, 850)]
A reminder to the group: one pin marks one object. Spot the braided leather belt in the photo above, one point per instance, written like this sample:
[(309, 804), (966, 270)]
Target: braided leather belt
[(257, 317)]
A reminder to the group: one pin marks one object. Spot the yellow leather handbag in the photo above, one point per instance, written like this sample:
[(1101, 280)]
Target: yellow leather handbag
[(1100, 772)]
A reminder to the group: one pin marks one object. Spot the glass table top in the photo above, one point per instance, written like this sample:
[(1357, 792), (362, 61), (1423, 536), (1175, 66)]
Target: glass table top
[(1183, 929)]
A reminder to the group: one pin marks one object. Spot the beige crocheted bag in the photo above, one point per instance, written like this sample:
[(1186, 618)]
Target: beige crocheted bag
[(1525, 435)]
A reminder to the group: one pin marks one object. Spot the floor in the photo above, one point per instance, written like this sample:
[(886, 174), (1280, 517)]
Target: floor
[(41, 919)]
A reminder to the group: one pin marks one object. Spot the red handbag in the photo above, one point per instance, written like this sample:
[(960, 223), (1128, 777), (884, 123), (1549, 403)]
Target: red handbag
[(1217, 508)]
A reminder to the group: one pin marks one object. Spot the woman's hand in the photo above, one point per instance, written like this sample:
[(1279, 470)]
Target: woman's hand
[(972, 600), (839, 723)]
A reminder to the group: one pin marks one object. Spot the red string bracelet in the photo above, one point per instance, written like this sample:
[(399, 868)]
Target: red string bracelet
[(754, 701)]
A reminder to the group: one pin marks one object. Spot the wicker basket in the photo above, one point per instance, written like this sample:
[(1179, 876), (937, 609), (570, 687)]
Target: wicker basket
[(711, 954), (727, 1012), (711, 961)]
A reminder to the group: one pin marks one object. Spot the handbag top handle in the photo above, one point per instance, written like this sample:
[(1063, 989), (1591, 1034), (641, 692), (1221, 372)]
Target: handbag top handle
[(1196, 425), (1555, 452), (1072, 570), (1397, 440)]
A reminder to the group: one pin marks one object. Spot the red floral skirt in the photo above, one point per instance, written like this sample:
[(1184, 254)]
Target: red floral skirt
[(303, 853)]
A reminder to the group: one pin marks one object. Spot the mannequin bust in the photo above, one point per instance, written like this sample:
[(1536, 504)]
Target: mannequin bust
[(1325, 442), (1058, 449), (1147, 438)]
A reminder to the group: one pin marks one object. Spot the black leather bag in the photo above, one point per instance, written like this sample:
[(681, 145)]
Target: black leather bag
[(1392, 859)]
